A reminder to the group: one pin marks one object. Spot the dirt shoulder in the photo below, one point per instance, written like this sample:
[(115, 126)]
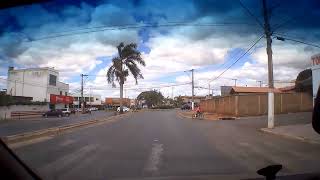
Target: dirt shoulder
[(207, 116)]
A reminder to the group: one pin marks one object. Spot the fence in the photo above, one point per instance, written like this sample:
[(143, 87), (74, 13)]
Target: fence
[(22, 111), (257, 104)]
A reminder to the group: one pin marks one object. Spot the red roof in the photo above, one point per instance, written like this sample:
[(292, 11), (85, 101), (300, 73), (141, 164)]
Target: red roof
[(239, 89)]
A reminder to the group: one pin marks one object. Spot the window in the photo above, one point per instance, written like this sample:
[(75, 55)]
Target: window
[(52, 80), (66, 93), (86, 99), (60, 93), (91, 99), (97, 99)]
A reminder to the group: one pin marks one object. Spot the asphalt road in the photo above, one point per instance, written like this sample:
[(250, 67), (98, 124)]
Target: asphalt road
[(160, 144), (11, 127)]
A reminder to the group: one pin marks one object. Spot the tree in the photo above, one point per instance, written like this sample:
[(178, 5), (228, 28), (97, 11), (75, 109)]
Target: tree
[(178, 101), (304, 81), (127, 61), (151, 98)]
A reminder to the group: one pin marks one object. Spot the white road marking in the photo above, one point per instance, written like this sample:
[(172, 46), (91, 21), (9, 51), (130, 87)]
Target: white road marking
[(67, 142), (66, 160), (28, 142), (154, 160)]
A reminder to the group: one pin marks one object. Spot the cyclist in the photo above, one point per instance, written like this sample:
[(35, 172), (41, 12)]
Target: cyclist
[(198, 111)]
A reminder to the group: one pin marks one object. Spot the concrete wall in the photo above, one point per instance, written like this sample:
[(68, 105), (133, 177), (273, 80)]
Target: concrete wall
[(257, 104), (5, 111)]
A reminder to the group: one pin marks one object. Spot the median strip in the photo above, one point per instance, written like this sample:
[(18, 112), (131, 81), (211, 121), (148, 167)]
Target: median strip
[(17, 138)]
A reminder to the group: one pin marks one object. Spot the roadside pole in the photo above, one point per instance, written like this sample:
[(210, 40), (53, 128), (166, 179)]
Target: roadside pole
[(82, 99), (192, 102), (270, 65), (235, 82), (81, 102)]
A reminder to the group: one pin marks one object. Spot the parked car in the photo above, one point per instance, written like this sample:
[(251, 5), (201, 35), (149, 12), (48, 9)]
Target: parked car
[(124, 108), (87, 110), (185, 107), (66, 111), (57, 113), (93, 109)]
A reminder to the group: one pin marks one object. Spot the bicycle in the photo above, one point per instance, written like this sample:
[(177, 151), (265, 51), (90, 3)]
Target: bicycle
[(199, 115)]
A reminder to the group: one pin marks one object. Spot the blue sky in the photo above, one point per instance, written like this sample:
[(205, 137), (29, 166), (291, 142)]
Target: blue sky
[(168, 50)]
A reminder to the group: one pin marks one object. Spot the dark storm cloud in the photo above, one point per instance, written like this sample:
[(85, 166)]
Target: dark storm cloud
[(57, 16)]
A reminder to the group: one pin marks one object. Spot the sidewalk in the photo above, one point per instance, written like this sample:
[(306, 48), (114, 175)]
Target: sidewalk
[(303, 132)]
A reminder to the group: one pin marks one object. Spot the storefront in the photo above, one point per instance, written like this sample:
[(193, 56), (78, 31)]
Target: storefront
[(315, 62), (60, 101)]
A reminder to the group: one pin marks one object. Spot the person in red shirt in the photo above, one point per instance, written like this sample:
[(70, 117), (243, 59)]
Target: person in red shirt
[(198, 111)]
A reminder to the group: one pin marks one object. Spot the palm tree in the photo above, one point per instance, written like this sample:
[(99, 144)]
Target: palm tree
[(127, 61)]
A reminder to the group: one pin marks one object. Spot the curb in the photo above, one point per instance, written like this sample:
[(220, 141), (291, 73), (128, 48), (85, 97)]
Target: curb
[(303, 139), (53, 131)]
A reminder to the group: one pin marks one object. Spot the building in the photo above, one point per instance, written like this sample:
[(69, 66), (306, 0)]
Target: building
[(42, 84), (225, 90), (115, 102), (250, 90), (91, 100), (315, 62), (188, 99)]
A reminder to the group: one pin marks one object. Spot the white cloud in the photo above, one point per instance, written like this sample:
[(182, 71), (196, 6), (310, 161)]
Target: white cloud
[(286, 54)]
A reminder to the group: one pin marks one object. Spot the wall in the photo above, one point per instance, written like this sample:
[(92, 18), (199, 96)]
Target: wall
[(29, 83), (60, 86), (5, 111), (257, 104), (315, 79)]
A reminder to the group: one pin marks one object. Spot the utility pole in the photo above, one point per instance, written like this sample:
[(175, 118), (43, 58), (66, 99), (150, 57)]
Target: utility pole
[(235, 82), (15, 87), (82, 99), (260, 82), (209, 90), (268, 33), (192, 103)]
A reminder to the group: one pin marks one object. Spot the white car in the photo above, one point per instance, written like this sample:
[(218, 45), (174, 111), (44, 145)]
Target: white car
[(66, 111), (124, 108), (93, 109)]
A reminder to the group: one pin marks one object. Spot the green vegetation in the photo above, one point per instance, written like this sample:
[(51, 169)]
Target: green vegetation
[(127, 61), (151, 98)]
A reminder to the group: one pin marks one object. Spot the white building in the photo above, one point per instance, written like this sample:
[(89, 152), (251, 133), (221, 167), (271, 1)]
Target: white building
[(315, 62), (42, 84), (90, 99)]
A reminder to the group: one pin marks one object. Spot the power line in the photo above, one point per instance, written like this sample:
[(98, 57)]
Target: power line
[(139, 88), (133, 27), (149, 24), (239, 58), (283, 38), (250, 13)]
